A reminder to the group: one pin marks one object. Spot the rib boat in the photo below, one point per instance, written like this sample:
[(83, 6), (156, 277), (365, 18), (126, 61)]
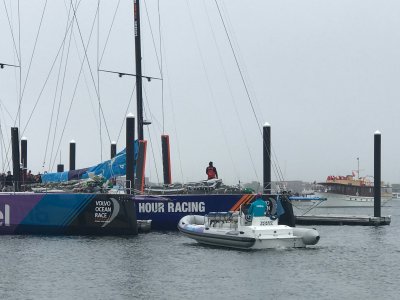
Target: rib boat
[(240, 230)]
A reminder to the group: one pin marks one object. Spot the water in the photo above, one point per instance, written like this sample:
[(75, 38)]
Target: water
[(350, 262)]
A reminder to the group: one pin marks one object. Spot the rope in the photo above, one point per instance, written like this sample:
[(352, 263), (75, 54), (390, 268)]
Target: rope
[(20, 68), (56, 91), (31, 59), (161, 63), (12, 33), (90, 69), (275, 164), (209, 88), (231, 93), (109, 31), (98, 77), (126, 112), (77, 81)]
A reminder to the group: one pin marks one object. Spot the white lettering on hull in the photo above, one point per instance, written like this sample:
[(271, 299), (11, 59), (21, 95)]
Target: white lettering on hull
[(5, 217), (170, 207)]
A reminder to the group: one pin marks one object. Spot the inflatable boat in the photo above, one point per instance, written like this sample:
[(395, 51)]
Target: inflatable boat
[(239, 230)]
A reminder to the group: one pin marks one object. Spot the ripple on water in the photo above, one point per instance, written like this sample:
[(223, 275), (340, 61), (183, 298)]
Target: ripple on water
[(350, 262)]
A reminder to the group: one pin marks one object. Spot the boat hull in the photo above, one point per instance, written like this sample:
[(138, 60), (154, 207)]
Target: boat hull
[(233, 241), (339, 200), (165, 211), (232, 235), (73, 213), (67, 214)]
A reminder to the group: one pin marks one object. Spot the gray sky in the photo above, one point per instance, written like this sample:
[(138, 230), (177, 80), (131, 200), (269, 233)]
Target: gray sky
[(324, 74)]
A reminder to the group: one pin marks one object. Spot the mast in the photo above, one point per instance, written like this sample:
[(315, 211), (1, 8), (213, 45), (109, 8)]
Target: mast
[(138, 57)]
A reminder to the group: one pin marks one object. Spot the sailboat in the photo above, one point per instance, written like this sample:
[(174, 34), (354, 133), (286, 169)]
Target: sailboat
[(70, 212)]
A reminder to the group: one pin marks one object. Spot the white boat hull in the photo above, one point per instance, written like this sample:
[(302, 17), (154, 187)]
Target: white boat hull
[(337, 200), (262, 233)]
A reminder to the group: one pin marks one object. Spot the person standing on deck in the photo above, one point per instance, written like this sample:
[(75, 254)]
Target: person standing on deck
[(211, 171), (8, 184)]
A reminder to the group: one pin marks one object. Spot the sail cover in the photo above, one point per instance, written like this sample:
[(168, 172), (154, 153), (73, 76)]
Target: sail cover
[(107, 169)]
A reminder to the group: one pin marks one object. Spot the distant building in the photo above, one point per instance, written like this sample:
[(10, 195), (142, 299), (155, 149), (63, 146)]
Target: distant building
[(396, 187)]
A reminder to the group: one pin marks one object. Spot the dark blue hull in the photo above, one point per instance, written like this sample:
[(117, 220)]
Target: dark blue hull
[(67, 214), (103, 214), (166, 211)]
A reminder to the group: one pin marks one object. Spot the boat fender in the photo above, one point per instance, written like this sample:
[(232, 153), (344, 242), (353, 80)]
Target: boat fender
[(309, 236)]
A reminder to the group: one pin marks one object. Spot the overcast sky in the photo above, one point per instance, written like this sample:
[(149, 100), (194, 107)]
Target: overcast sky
[(324, 74)]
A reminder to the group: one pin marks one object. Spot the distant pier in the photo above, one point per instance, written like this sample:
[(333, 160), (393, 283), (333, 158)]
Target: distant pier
[(342, 220)]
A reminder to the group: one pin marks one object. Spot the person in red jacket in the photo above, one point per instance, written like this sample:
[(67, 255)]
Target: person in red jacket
[(211, 171)]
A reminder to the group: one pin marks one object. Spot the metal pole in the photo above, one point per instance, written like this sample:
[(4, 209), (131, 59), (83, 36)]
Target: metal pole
[(113, 149), (138, 58), (166, 159), (130, 153), (24, 157), (15, 158), (377, 174), (267, 158), (358, 167), (72, 155)]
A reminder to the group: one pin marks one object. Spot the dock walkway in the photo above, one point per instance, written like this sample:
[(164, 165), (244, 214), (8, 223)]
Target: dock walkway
[(342, 220)]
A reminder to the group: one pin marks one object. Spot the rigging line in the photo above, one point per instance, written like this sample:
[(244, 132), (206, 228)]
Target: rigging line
[(152, 151), (161, 64), (230, 92), (238, 66), (174, 119), (240, 71), (6, 148), (109, 31), (6, 110), (151, 115), (20, 68), (7, 158), (12, 32), (61, 92), (272, 155), (1, 147), (98, 78), (153, 118), (87, 85), (209, 85), (79, 75), (47, 79), (91, 72), (55, 94), (33, 53), (126, 112), (279, 170), (152, 36)]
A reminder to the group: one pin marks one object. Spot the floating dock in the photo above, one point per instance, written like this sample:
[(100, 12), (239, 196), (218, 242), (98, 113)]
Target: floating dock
[(342, 220)]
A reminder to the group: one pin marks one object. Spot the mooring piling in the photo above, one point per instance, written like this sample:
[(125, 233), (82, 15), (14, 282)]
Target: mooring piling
[(130, 153), (72, 155), (377, 174), (267, 158), (113, 149)]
